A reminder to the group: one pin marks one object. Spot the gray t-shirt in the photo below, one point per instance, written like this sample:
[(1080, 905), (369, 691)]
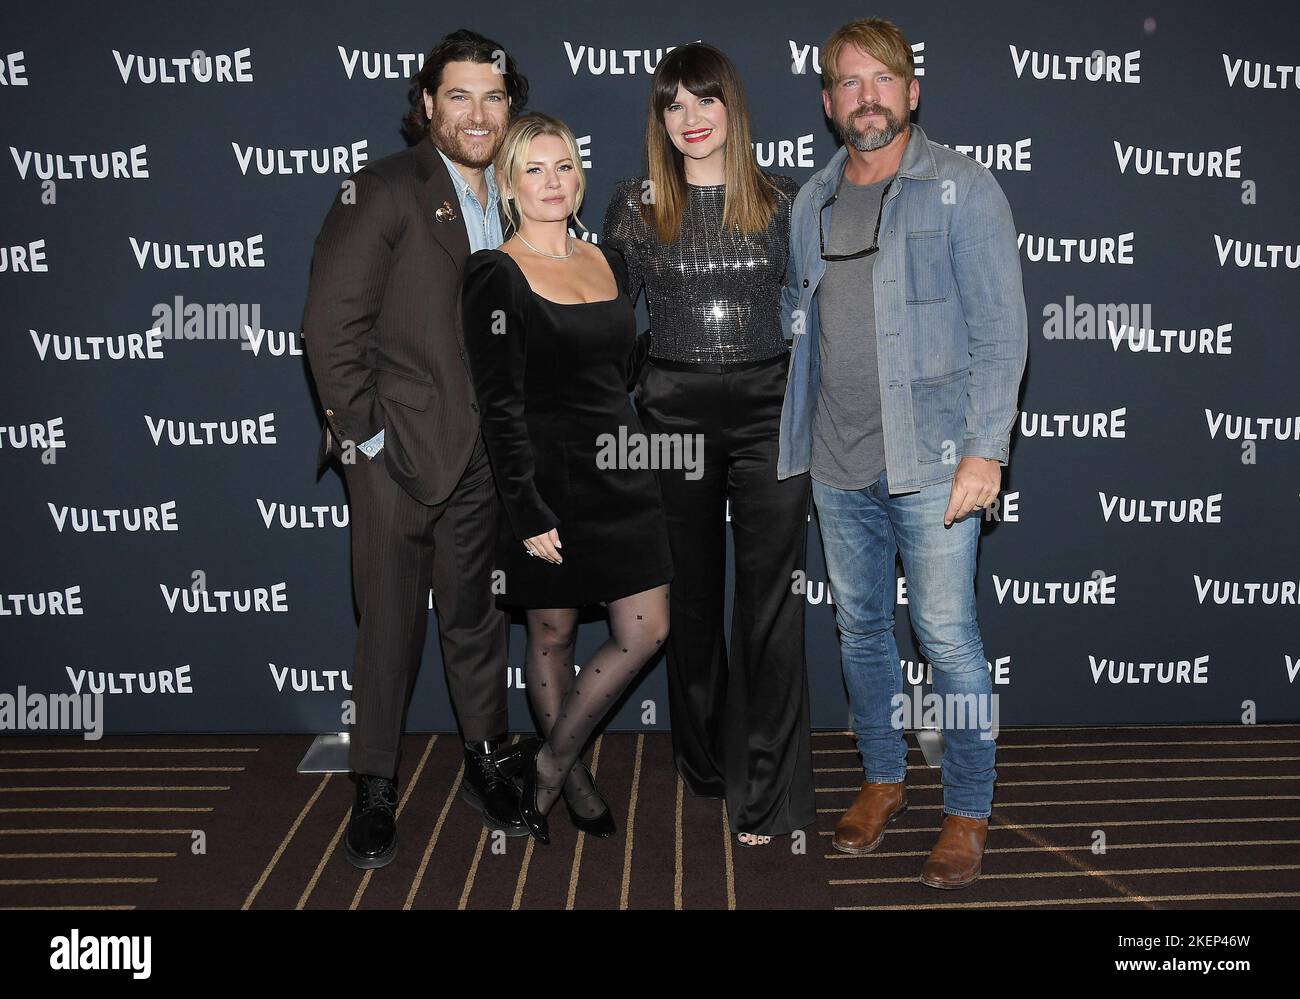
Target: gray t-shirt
[(848, 441)]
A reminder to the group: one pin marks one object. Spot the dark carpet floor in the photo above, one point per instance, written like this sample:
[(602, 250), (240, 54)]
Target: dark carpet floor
[(1147, 818)]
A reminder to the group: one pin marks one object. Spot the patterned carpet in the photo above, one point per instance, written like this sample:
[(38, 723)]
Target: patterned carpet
[(1145, 818)]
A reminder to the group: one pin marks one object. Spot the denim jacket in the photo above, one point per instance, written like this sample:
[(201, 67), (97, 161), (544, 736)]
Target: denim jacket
[(951, 325)]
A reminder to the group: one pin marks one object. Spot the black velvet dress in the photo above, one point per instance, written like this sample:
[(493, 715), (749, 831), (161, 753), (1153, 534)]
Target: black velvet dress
[(552, 383)]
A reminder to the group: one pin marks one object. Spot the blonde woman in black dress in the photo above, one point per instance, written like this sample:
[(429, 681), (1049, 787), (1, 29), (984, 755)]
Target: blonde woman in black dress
[(550, 335)]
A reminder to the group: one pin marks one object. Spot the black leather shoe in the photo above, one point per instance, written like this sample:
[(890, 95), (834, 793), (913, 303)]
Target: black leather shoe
[(532, 818), (601, 825), (510, 759), (372, 831), (488, 788)]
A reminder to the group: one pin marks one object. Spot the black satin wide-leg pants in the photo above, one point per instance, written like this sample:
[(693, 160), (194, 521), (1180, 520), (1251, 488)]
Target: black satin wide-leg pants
[(740, 722)]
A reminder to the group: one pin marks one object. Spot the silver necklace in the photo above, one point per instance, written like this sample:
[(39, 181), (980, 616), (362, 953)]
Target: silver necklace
[(553, 256)]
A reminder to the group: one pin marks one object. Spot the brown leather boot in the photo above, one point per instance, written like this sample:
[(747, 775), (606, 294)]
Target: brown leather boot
[(862, 827), (955, 860)]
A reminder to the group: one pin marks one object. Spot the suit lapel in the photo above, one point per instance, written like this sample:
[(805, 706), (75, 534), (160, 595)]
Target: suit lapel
[(439, 205)]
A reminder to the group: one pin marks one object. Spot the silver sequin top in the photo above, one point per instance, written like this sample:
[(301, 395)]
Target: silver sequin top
[(714, 297)]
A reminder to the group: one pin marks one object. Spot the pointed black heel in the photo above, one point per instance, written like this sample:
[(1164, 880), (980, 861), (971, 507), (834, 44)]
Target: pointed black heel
[(533, 819), (601, 825)]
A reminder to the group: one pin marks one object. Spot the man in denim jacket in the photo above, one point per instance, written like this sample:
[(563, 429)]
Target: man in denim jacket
[(908, 349)]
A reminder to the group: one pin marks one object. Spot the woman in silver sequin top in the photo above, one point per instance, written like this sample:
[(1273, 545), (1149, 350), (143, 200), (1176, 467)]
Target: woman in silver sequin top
[(706, 235), (713, 296)]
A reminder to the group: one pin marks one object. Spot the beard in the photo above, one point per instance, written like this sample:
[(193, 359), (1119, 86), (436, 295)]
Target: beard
[(872, 138), (447, 137)]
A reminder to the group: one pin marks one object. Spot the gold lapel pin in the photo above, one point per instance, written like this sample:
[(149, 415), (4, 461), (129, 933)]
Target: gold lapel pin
[(446, 213)]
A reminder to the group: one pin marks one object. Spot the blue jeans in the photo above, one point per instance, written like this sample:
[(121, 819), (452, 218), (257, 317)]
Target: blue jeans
[(862, 530)]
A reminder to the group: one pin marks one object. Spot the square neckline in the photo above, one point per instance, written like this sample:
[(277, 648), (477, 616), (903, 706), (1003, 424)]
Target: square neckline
[(618, 292)]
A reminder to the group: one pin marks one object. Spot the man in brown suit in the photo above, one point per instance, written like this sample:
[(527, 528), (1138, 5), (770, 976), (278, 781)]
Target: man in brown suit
[(382, 331)]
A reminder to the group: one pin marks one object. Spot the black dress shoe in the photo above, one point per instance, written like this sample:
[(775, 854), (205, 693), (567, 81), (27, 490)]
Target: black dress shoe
[(532, 818), (510, 759), (487, 787), (601, 825), (372, 831)]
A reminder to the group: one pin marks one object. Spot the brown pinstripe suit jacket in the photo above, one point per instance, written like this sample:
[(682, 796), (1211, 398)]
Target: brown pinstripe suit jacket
[(382, 325)]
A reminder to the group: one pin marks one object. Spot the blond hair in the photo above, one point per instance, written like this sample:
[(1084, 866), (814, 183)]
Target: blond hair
[(879, 38), (513, 154)]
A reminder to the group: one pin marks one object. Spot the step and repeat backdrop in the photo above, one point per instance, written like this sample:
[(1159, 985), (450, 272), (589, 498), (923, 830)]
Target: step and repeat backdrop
[(166, 540)]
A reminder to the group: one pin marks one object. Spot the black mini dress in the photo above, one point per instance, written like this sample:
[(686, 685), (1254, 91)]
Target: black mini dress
[(552, 383)]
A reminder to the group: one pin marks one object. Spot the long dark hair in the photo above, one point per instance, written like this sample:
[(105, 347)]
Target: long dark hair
[(750, 198), (459, 46)]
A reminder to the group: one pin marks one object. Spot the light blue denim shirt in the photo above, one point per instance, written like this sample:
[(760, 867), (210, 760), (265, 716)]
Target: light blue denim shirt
[(951, 325), (483, 227), (484, 231)]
